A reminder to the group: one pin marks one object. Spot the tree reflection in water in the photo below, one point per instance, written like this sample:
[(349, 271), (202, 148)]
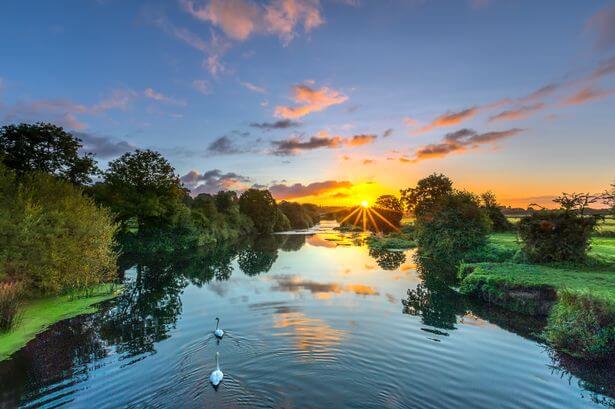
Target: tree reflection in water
[(386, 259)]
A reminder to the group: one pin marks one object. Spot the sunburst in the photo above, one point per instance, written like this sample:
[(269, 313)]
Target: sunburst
[(364, 214)]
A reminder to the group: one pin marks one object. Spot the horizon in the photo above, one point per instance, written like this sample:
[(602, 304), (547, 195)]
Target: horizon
[(328, 102)]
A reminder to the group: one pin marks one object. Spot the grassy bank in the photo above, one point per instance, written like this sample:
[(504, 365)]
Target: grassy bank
[(578, 298), (37, 315)]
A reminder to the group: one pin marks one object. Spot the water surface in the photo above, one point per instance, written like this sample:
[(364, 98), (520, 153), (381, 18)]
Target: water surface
[(311, 321)]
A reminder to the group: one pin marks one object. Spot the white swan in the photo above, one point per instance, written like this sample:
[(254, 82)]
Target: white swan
[(218, 332), (216, 376)]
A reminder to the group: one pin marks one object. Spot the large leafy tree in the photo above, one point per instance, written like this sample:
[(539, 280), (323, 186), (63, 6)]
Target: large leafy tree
[(142, 186), (46, 148), (260, 206), (389, 202), (426, 193), (499, 221)]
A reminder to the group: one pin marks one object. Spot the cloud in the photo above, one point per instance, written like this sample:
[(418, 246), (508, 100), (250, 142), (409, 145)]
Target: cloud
[(253, 87), (160, 97), (518, 113), (460, 141), (602, 24), (213, 181), (410, 121), (449, 119), (103, 147), (310, 100), (213, 49), (588, 94), (604, 68), (224, 146), (283, 191), (368, 161), (362, 139), (202, 86), (388, 133), (64, 112), (292, 145), (322, 139), (241, 19), (294, 283), (281, 124)]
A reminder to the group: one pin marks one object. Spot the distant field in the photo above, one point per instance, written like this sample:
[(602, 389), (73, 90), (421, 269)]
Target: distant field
[(606, 225)]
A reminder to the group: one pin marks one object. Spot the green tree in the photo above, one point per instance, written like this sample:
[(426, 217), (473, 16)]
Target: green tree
[(52, 237), (281, 222), (449, 223), (299, 216), (260, 206), (226, 201), (46, 148), (389, 202), (427, 191), (143, 186), (499, 222)]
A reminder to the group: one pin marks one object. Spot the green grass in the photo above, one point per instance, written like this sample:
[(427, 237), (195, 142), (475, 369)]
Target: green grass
[(38, 314), (501, 276), (391, 241)]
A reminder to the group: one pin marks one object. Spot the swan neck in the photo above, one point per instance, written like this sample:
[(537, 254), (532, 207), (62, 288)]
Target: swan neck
[(217, 363), (217, 322)]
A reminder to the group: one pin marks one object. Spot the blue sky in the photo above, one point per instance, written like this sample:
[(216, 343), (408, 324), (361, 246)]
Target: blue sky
[(367, 96)]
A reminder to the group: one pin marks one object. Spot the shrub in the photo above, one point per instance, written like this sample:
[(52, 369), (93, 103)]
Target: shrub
[(550, 236), (582, 325), (281, 223), (52, 237), (454, 226), (11, 296), (299, 216)]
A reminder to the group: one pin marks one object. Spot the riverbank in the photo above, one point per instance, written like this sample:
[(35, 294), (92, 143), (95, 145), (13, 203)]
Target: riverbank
[(38, 314), (579, 299)]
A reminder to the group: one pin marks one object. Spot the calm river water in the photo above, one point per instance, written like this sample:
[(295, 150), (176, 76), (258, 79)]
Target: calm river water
[(311, 320)]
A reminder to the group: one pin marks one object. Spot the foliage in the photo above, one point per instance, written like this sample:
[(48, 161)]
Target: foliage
[(226, 201), (453, 225), (143, 186), (608, 198), (389, 202), (499, 222), (550, 236), (300, 216), (45, 148), (427, 191), (392, 241), (11, 298), (582, 325), (261, 208), (281, 222), (52, 237)]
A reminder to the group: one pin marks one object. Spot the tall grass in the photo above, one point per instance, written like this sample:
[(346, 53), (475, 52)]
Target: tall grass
[(11, 298)]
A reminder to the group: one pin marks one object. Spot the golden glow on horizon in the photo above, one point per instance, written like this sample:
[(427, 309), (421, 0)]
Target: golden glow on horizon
[(365, 204)]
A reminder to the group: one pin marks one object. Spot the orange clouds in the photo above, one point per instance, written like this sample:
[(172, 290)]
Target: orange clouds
[(310, 100), (322, 139), (282, 191), (460, 141), (240, 19), (449, 119), (518, 113), (587, 94)]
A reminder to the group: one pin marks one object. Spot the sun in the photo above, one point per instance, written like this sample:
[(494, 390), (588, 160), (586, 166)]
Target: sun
[(365, 204)]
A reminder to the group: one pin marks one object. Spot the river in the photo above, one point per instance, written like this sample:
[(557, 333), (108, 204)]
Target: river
[(311, 321)]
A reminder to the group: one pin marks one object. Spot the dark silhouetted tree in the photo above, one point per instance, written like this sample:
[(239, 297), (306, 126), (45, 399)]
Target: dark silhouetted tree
[(260, 206), (46, 148)]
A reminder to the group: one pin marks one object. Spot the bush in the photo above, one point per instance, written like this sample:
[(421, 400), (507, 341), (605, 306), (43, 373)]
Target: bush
[(299, 216), (454, 226), (11, 296), (550, 236), (281, 223), (582, 325), (52, 237)]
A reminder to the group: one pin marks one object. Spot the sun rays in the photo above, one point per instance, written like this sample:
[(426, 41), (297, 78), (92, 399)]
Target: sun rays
[(364, 215)]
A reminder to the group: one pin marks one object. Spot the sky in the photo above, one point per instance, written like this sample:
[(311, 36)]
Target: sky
[(330, 101)]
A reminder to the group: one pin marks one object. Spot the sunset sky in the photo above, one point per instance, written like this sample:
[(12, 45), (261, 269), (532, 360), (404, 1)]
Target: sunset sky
[(327, 101)]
